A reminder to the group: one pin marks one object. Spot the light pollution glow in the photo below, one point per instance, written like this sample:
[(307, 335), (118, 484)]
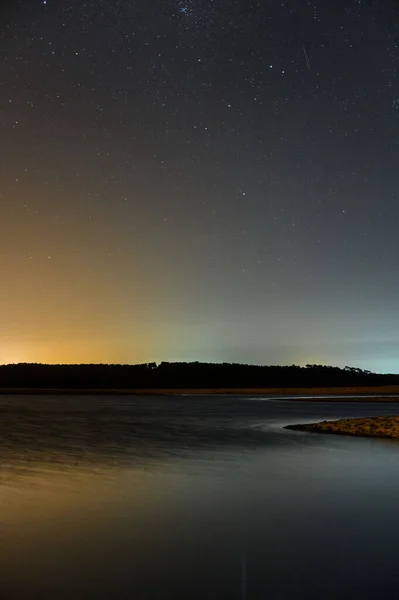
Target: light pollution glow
[(169, 191)]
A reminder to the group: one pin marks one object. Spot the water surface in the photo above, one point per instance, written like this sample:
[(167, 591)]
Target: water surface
[(193, 497)]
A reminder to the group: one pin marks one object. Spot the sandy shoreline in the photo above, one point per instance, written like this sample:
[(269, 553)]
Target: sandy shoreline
[(381, 427), (364, 394)]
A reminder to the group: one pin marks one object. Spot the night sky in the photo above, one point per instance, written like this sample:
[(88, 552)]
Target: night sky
[(212, 180)]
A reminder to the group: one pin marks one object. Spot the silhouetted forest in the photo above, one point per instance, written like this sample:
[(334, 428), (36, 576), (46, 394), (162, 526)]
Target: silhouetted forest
[(185, 375)]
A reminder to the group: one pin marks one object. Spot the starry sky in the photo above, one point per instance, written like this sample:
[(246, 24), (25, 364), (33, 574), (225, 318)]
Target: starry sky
[(212, 180)]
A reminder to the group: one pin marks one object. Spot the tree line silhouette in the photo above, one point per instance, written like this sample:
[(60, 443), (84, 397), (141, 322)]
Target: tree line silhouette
[(169, 375)]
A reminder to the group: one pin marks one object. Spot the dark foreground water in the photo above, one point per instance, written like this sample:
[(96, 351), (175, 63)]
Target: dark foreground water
[(193, 498)]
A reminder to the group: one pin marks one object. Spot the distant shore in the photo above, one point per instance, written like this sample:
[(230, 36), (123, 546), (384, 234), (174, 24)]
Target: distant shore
[(382, 427), (361, 394)]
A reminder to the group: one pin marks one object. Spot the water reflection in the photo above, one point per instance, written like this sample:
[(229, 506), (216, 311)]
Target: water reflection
[(192, 498)]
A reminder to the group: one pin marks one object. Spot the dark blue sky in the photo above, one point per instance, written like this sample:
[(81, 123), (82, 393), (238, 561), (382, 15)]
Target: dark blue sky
[(200, 180)]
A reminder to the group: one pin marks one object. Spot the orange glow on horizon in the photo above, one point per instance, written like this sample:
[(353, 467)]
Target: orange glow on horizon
[(76, 352)]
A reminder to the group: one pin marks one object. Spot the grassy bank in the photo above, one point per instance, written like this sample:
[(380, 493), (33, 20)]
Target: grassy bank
[(379, 393), (385, 427)]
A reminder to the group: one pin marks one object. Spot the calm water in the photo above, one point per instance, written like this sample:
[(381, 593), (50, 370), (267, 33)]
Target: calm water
[(193, 498)]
